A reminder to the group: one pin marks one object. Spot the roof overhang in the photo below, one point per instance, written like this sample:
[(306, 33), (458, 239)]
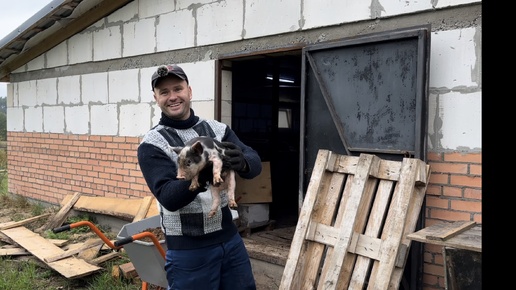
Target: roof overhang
[(56, 22)]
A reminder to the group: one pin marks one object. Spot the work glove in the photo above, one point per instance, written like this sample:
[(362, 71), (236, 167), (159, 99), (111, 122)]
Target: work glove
[(235, 157)]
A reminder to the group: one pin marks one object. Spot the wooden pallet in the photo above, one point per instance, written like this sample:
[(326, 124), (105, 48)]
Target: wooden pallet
[(352, 228)]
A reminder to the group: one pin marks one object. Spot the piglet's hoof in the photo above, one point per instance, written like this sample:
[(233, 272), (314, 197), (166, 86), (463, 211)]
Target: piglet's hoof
[(193, 187), (233, 204), (211, 213)]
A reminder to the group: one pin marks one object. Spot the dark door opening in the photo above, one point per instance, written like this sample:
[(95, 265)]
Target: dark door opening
[(266, 96)]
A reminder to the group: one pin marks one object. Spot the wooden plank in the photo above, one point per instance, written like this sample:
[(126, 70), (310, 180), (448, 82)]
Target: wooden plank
[(41, 248), (128, 270), (394, 225), (92, 252), (413, 215), (11, 225), (256, 190), (144, 208), (451, 230), (58, 219), (71, 252), (13, 252), (470, 239), (123, 208), (367, 165), (104, 258)]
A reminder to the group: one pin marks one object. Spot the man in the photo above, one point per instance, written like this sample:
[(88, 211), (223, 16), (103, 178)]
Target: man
[(202, 252)]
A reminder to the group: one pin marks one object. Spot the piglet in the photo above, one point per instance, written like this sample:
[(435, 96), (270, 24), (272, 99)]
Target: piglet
[(203, 152)]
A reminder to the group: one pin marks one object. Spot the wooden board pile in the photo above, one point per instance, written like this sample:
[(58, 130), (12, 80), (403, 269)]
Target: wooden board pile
[(73, 260)]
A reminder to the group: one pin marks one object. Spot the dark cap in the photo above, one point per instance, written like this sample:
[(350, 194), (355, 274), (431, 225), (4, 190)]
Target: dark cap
[(166, 70)]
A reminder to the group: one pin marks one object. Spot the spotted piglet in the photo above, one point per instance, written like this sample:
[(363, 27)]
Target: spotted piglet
[(203, 152)]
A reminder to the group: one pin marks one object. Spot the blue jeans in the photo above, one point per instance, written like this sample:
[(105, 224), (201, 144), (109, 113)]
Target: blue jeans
[(223, 266)]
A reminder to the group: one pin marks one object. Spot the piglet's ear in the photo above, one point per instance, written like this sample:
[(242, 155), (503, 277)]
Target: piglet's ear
[(176, 149), (197, 147)]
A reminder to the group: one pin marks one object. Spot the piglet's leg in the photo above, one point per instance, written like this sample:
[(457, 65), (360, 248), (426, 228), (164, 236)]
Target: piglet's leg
[(217, 169), (215, 203), (231, 184), (194, 184)]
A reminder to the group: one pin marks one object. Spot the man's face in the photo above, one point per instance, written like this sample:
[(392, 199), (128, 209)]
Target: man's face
[(173, 96)]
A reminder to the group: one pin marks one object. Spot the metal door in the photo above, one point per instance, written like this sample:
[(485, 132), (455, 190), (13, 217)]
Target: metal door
[(365, 94)]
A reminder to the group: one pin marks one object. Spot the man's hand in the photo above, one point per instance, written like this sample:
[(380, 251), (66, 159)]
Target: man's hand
[(235, 157)]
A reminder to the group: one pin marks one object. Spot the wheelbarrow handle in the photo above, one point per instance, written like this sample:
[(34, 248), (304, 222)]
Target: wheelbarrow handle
[(61, 229), (124, 241)]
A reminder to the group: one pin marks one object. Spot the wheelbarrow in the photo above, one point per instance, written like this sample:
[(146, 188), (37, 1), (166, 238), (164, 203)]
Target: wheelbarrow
[(148, 258)]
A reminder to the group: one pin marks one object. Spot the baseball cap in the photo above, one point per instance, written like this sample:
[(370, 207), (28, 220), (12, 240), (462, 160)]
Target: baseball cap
[(166, 70)]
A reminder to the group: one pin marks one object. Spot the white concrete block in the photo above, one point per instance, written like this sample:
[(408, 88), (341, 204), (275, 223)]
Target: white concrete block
[(135, 119), (455, 121), (200, 76), (37, 63), (53, 119), (175, 30), (158, 7), (94, 88), (104, 119), (77, 119), (139, 37), (123, 86), (80, 48), (204, 109), (107, 43), (391, 8), (10, 95), (446, 3), (15, 119), (317, 13), (271, 17), (253, 215), (126, 13), (455, 59), (58, 55), (184, 4), (146, 93), (156, 114), (27, 93), (220, 22), (69, 90), (34, 120), (46, 92)]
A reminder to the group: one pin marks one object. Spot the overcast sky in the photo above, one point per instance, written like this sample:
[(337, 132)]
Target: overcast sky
[(14, 13)]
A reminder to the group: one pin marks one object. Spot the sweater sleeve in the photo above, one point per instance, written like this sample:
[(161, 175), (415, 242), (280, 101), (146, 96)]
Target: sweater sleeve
[(160, 173), (252, 158)]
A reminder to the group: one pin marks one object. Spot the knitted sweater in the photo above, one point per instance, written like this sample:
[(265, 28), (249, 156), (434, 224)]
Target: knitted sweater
[(184, 214)]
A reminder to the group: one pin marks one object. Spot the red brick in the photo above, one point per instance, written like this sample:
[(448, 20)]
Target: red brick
[(457, 168), (449, 215), (463, 157), (439, 178), (470, 206), (437, 202), (449, 191), (470, 181)]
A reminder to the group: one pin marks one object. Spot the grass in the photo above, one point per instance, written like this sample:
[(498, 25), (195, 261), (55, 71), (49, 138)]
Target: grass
[(27, 272)]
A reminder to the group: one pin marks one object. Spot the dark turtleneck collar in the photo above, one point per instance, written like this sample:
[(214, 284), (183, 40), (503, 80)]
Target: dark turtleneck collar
[(179, 124)]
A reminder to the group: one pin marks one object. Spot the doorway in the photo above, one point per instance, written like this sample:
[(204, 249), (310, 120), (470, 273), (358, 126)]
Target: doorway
[(265, 114)]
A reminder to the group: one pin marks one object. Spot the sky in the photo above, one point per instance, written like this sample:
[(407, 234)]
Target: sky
[(13, 14)]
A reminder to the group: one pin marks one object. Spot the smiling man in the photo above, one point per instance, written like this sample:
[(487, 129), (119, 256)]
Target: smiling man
[(202, 252)]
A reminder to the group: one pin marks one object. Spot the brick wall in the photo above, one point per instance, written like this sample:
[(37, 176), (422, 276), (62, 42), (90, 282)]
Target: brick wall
[(454, 194), (47, 167)]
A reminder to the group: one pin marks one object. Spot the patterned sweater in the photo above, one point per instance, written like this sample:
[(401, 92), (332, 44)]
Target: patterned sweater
[(184, 214)]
